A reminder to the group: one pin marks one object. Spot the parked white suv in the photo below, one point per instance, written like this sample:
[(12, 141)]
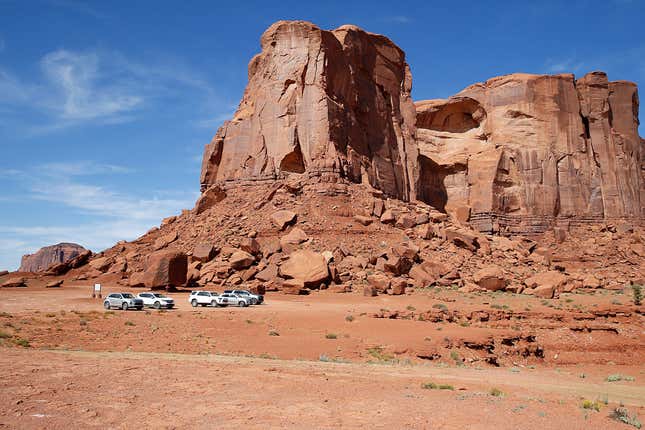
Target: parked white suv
[(234, 300), (204, 298), (156, 300), (123, 301), (252, 299)]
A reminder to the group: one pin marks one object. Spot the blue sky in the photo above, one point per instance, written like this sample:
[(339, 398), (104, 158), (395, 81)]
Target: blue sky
[(105, 106)]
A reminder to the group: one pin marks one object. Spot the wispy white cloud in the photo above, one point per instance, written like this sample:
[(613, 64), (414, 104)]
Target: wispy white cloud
[(81, 168), (105, 87), (85, 94), (566, 65), (114, 215)]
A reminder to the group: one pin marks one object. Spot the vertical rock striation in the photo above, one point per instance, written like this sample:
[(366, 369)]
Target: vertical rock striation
[(325, 104), (522, 152)]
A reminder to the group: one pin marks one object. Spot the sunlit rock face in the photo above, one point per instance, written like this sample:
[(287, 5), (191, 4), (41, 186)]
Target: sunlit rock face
[(324, 104), (521, 152)]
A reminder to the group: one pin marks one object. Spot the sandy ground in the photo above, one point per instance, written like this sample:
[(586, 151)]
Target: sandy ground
[(300, 362)]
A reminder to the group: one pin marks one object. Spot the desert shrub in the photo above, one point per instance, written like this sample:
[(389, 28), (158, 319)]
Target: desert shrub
[(621, 414), (433, 386), (637, 291), (273, 333), (379, 354), (82, 322), (331, 336), (441, 306), (130, 324), (496, 392), (4, 335), (22, 342), (591, 405), (349, 318), (618, 377)]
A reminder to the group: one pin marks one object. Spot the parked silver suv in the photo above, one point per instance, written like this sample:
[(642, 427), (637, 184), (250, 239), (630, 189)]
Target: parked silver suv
[(123, 301)]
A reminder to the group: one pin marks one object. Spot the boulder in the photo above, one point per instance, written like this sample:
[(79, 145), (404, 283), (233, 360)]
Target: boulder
[(15, 282), (406, 221), (211, 195), (251, 245), (295, 237), (591, 281), (388, 217), (398, 286), (165, 269), (54, 284), (370, 291), (204, 252), (378, 207), (379, 281), (364, 220), (267, 274), (490, 278), (165, 240), (282, 219), (462, 238), (241, 260), (102, 264), (545, 284), (422, 277), (306, 266)]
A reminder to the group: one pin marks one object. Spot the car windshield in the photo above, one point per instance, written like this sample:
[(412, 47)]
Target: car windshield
[(127, 296), (160, 296)]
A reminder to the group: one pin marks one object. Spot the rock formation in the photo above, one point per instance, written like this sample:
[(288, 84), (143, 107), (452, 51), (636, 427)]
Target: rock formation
[(49, 256), (327, 104), (519, 153), (522, 152)]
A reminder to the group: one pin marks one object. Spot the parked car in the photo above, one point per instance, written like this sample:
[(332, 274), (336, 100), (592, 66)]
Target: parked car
[(234, 300), (123, 301), (204, 298), (156, 300), (253, 299)]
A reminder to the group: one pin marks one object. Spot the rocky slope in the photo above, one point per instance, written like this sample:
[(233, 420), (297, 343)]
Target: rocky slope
[(48, 256)]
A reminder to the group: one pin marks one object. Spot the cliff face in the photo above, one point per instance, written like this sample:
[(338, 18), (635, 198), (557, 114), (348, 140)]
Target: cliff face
[(521, 152), (517, 153), (327, 104), (50, 255)]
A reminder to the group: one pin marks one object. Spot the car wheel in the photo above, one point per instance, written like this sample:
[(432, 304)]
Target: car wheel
[(194, 303), (214, 303), (157, 305), (241, 304), (106, 305), (124, 306)]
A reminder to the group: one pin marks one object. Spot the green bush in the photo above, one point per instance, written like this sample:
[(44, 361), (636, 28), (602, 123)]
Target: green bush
[(588, 404), (637, 290), (622, 414), (433, 386), (331, 336), (618, 377), (496, 392)]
